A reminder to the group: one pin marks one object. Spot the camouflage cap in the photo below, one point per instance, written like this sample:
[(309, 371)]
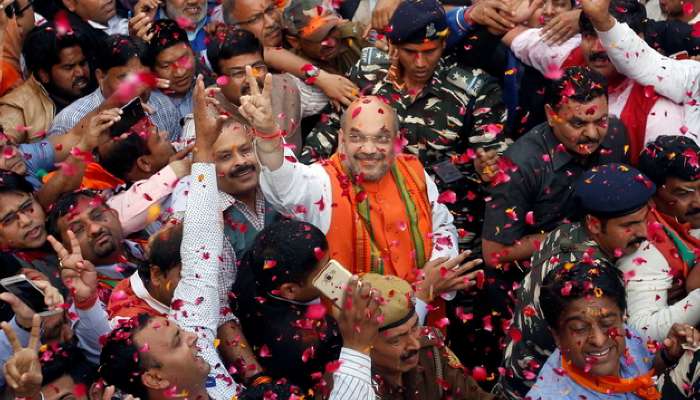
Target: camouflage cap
[(310, 19), (398, 303)]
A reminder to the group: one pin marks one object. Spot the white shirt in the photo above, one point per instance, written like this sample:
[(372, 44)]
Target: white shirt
[(353, 380), (648, 279), (677, 80), (665, 117), (296, 189), (115, 26), (202, 249)]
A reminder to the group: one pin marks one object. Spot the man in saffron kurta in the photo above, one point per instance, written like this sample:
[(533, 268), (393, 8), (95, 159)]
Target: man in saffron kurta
[(378, 209)]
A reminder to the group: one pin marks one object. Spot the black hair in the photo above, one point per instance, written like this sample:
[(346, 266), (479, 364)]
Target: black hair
[(270, 390), (119, 156), (229, 42), (11, 182), (121, 361), (630, 12), (580, 84), (284, 252), (164, 251), (42, 47), (65, 205), (566, 284), (166, 33), (66, 359), (117, 51), (671, 155)]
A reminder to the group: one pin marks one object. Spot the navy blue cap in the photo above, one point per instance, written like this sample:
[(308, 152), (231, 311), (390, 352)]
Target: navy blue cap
[(612, 190), (416, 21)]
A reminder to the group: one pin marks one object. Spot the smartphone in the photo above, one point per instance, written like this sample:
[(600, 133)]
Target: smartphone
[(26, 291), (332, 282), (132, 113)]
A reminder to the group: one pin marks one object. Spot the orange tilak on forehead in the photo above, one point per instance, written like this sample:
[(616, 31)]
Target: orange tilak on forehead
[(427, 45)]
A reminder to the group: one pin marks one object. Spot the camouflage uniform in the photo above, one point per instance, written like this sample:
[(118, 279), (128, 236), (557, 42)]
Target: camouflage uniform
[(569, 243), (458, 110)]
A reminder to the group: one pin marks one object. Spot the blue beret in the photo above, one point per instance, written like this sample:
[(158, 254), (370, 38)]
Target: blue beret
[(415, 21), (612, 190)]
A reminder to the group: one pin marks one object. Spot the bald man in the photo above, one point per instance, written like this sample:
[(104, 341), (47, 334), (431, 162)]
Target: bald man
[(377, 207)]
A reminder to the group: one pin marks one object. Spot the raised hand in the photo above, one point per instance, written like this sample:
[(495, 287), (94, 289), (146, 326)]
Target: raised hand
[(523, 9), (562, 27), (23, 370), (24, 314), (598, 11), (257, 106), (441, 275), (181, 163), (493, 14), (207, 120), (359, 318), (78, 274), (382, 13), (96, 128), (679, 337), (337, 87)]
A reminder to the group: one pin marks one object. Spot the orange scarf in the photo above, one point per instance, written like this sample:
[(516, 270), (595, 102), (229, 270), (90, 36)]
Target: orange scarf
[(642, 385), (95, 178), (350, 242)]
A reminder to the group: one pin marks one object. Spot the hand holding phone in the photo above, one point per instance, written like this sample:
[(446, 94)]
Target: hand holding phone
[(332, 282), (132, 113), (30, 297)]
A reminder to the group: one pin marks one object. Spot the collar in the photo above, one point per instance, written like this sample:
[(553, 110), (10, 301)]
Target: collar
[(142, 293), (112, 23), (431, 87)]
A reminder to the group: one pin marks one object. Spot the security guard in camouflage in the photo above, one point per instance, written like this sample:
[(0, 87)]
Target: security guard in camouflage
[(610, 191), (443, 122), (316, 31)]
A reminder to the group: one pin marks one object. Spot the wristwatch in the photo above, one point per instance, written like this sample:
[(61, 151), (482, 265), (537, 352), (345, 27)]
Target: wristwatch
[(311, 72)]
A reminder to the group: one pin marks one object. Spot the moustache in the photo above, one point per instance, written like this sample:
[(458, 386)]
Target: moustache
[(599, 56), (369, 157), (241, 170), (80, 81), (585, 141), (408, 355), (636, 241), (693, 212)]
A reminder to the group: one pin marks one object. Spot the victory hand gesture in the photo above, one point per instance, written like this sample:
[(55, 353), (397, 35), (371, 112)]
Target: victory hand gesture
[(257, 106), (23, 371), (598, 11), (78, 274)]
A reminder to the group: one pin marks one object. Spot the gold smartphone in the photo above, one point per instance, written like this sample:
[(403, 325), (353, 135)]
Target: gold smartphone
[(333, 281)]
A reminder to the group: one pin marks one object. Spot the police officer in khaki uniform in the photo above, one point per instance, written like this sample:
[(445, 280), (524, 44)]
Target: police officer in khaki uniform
[(410, 361)]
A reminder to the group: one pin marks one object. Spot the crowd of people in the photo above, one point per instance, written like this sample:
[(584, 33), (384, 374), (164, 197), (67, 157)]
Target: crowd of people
[(350, 199)]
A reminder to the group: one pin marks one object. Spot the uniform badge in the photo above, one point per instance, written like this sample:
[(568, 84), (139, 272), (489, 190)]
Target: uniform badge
[(430, 30)]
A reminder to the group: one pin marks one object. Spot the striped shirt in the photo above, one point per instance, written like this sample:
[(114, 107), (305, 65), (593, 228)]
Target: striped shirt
[(165, 117)]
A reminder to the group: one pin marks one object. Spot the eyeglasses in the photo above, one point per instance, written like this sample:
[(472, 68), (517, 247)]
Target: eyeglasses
[(259, 68), (269, 11), (382, 140)]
